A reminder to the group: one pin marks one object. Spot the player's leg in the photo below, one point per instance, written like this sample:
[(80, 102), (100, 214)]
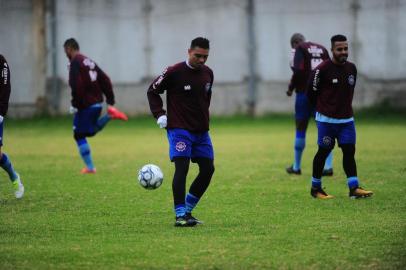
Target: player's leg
[(6, 164), (326, 141), (346, 140), (85, 153), (302, 114), (179, 153)]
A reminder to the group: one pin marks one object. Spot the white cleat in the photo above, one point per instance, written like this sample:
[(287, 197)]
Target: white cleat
[(18, 187)]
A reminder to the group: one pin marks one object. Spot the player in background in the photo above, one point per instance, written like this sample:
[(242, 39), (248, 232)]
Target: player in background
[(188, 86), (5, 163), (331, 90), (305, 57), (88, 83)]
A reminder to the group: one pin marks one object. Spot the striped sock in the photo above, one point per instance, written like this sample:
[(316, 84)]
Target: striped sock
[(180, 210), (316, 183), (352, 182), (5, 163), (191, 202), (84, 150), (102, 122), (300, 143)]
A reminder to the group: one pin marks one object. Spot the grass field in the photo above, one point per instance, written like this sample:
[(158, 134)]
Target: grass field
[(256, 216)]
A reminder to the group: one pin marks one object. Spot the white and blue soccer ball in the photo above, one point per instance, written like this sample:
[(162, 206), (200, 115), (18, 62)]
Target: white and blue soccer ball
[(150, 176)]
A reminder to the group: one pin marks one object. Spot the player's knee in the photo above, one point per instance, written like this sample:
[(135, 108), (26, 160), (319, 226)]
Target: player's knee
[(79, 136), (348, 149), (323, 152)]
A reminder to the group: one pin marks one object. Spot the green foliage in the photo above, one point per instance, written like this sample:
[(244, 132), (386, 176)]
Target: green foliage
[(256, 216)]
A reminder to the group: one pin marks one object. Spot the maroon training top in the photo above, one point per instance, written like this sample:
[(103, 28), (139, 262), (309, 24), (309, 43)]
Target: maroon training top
[(308, 55), (88, 83), (5, 86), (331, 89), (188, 94)]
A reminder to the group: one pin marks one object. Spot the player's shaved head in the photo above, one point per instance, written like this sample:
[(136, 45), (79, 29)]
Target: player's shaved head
[(296, 39), (337, 38), (200, 42), (71, 43)]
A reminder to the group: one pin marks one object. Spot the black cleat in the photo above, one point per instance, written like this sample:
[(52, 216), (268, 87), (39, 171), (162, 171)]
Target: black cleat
[(182, 221), (319, 193), (359, 192), (290, 170), (327, 172), (192, 220)]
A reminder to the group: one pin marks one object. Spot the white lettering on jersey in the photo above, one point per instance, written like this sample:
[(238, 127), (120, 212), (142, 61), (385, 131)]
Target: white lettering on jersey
[(4, 73), (160, 79), (92, 73), (316, 53), (316, 80), (187, 87)]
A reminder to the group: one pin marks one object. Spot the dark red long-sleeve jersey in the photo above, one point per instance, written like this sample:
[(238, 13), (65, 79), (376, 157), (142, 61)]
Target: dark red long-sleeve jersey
[(88, 83), (331, 89), (188, 94), (308, 55), (5, 86)]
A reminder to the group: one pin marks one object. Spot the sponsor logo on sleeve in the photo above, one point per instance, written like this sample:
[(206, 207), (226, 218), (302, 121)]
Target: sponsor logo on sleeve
[(351, 79), (316, 79), (160, 79), (187, 87), (334, 81)]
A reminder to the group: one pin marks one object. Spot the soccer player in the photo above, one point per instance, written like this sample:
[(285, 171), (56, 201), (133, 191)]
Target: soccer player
[(5, 163), (331, 90), (306, 56), (188, 86), (88, 83)]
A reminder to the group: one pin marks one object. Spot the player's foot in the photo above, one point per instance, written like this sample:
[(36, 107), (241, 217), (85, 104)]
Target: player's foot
[(319, 193), (114, 113), (88, 171), (290, 170), (359, 192), (18, 187), (192, 220), (327, 172), (182, 221)]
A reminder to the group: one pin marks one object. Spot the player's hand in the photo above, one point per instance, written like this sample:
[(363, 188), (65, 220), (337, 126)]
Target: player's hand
[(1, 119), (162, 121), (289, 93), (73, 110)]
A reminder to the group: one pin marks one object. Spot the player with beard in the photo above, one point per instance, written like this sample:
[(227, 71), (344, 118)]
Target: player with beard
[(188, 86), (331, 90)]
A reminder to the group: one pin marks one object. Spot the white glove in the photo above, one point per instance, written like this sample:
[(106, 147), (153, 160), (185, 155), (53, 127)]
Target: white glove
[(162, 121), (1, 119), (73, 110)]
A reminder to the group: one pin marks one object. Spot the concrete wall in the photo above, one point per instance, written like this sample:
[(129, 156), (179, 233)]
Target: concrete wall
[(133, 41)]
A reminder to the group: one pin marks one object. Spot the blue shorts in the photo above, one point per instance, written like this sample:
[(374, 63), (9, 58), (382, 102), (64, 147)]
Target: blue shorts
[(85, 120), (1, 133), (303, 109), (183, 143), (328, 132)]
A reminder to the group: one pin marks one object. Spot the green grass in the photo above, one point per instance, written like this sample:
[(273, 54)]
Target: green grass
[(256, 216)]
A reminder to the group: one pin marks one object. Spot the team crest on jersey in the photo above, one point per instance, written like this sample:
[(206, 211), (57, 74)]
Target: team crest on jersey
[(187, 87), (207, 87), (327, 140), (351, 79), (180, 146)]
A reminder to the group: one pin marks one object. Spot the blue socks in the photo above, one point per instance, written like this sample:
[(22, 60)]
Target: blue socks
[(101, 123), (180, 210), (84, 150), (316, 183), (191, 202), (5, 163), (329, 161), (352, 182), (300, 143)]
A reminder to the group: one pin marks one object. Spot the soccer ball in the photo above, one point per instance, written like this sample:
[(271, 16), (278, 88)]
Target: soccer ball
[(150, 176)]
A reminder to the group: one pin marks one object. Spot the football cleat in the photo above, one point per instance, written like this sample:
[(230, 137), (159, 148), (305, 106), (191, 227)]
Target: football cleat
[(88, 171), (290, 170), (359, 192), (319, 193), (327, 172), (18, 187), (192, 220), (114, 113), (182, 221)]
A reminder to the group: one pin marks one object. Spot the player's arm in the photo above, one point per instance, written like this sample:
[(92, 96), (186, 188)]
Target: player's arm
[(106, 85), (298, 70), (157, 87), (210, 90), (313, 86), (5, 88), (76, 85)]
